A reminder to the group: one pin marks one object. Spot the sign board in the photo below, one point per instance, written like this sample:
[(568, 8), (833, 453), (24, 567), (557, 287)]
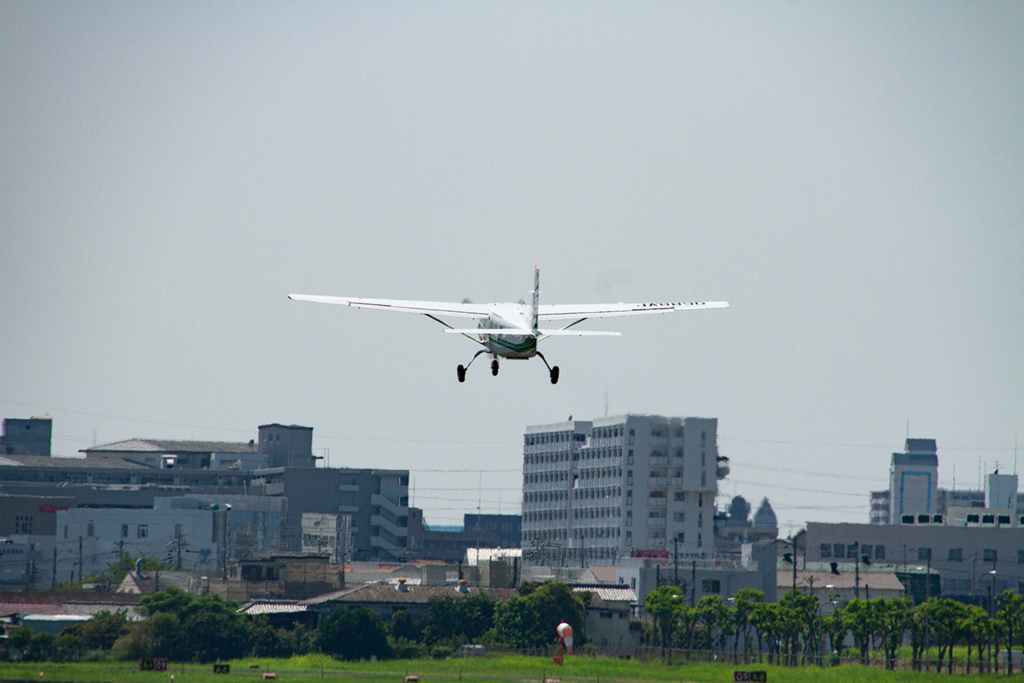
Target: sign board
[(153, 664), (221, 668), (753, 676)]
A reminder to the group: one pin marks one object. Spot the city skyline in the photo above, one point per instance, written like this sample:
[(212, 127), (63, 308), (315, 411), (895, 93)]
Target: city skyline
[(846, 176)]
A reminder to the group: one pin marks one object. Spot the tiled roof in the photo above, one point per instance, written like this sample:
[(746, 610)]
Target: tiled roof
[(843, 580), (255, 608), (9, 608), (389, 593), (56, 463), (609, 594)]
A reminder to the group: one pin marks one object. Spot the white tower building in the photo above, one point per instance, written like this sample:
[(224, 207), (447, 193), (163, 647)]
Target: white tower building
[(914, 483), (1001, 491), (597, 490)]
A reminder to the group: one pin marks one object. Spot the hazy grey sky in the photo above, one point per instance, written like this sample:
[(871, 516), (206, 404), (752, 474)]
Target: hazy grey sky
[(850, 176)]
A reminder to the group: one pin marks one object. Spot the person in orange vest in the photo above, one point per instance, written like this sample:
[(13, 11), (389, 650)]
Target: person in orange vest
[(565, 633)]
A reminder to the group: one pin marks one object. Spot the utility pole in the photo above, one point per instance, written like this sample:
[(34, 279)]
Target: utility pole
[(79, 558), (856, 580), (675, 578), (54, 586), (693, 585), (928, 577)]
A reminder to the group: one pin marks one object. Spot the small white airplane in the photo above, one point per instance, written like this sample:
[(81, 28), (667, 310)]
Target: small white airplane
[(511, 330)]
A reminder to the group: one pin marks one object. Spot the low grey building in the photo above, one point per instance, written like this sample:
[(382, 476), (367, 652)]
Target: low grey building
[(376, 500), (972, 561)]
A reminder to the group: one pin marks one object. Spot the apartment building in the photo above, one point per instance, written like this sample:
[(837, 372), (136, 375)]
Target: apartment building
[(596, 491)]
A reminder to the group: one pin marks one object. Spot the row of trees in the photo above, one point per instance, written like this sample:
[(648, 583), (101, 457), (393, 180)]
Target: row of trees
[(185, 627), (793, 630)]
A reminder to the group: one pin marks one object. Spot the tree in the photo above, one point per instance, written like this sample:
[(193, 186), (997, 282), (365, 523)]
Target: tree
[(266, 640), (554, 603), (945, 619), (745, 600), (125, 563), (403, 626), (663, 605), (893, 620), (352, 635), (102, 631), (1010, 617), (859, 618), (456, 620), (531, 621), (765, 620), (201, 628), (516, 624), (977, 628)]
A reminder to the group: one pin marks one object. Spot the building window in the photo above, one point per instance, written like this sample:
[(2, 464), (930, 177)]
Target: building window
[(988, 519), (839, 550), (865, 551), (907, 519), (90, 530), (1020, 557), (973, 519), (124, 531), (1004, 519), (956, 554), (143, 531), (879, 552), (711, 586), (826, 551), (989, 555), (924, 554)]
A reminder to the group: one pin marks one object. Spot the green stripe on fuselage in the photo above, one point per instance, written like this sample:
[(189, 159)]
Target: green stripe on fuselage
[(529, 345)]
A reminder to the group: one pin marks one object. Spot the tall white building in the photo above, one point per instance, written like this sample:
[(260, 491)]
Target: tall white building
[(914, 483), (598, 490)]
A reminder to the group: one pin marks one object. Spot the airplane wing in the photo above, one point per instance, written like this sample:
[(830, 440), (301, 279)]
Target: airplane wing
[(508, 332), (567, 311), (464, 310)]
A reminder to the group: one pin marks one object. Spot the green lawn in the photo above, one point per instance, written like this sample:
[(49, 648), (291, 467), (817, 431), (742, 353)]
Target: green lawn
[(313, 668)]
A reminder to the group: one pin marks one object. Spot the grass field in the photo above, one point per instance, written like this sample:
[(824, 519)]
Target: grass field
[(314, 668)]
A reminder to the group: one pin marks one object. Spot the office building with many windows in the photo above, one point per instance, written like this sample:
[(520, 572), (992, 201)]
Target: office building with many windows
[(595, 491)]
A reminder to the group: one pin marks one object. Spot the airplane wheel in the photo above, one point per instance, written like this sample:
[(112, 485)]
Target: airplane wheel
[(461, 371), (554, 375), (494, 368)]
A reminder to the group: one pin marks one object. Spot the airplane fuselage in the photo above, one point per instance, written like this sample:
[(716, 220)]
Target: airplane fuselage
[(505, 317)]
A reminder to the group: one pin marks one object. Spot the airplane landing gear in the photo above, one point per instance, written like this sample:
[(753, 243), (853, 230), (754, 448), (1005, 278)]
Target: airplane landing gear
[(494, 367), (461, 371), (552, 371)]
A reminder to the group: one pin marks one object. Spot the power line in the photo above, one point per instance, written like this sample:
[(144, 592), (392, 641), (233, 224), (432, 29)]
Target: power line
[(795, 488)]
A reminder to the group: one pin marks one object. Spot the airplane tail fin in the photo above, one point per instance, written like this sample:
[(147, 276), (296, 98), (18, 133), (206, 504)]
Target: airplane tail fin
[(534, 302)]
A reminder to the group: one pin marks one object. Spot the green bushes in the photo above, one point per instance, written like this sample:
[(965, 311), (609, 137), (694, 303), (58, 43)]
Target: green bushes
[(188, 628)]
